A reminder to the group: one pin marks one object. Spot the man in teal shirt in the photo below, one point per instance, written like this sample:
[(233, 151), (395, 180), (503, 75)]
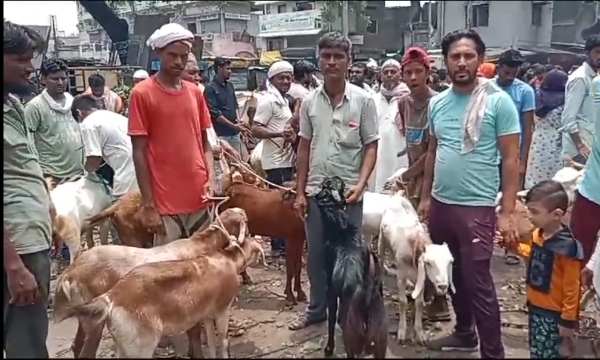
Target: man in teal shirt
[(26, 207), (460, 187), (585, 223)]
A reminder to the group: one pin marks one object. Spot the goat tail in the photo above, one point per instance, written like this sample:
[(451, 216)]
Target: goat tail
[(96, 310), (104, 214)]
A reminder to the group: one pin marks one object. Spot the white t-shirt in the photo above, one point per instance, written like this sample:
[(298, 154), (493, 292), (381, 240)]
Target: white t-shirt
[(274, 113), (104, 134), (297, 91)]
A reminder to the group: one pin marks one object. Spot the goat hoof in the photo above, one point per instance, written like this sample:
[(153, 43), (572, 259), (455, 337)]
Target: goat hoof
[(301, 296), (420, 339), (291, 300), (328, 352), (401, 338), (246, 280)]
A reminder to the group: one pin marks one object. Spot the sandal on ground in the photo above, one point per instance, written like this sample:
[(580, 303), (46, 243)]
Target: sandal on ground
[(302, 322)]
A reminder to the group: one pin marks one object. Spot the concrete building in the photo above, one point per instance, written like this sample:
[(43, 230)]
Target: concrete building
[(200, 17), (573, 22), (501, 24), (299, 24)]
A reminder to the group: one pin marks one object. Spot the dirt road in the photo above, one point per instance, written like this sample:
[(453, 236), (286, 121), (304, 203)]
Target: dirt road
[(263, 317)]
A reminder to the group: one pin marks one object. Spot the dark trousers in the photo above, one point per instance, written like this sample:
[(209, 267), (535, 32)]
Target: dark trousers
[(107, 173), (26, 327), (278, 177), (468, 231), (585, 224)]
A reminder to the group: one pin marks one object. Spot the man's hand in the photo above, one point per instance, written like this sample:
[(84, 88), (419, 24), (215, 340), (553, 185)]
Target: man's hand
[(353, 194), (587, 276), (153, 220), (22, 286), (300, 206), (217, 151), (210, 187), (507, 229), (583, 150), (423, 209)]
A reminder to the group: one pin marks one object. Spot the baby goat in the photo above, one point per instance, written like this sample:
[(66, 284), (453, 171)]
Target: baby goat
[(354, 276), (417, 258), (161, 299)]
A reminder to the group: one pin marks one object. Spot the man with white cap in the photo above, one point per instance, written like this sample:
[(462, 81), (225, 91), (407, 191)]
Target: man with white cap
[(139, 76), (272, 114), (168, 125)]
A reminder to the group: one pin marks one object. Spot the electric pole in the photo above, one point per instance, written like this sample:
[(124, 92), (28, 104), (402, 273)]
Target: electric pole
[(345, 13)]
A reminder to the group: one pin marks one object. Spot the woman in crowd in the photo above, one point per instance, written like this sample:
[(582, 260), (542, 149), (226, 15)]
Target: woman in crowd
[(546, 145)]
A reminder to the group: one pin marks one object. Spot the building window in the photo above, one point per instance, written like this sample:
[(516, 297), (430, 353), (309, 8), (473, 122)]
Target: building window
[(536, 14), (281, 9), (480, 15), (192, 27), (268, 9), (303, 6), (372, 28), (275, 44)]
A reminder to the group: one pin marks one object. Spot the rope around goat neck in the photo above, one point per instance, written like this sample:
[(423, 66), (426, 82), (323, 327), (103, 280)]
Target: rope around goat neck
[(251, 171)]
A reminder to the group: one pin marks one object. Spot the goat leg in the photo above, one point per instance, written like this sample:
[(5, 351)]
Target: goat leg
[(419, 334), (331, 320), (211, 339), (195, 342), (402, 306), (294, 253), (93, 336), (222, 324), (289, 274), (246, 280), (78, 341)]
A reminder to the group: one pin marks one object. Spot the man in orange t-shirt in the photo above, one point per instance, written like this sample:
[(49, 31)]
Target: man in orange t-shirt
[(168, 125)]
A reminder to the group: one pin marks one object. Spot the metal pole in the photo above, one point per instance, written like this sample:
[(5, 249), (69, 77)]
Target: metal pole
[(345, 13), (429, 29)]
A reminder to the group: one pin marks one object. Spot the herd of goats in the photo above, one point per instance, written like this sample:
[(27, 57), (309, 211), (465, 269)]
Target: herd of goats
[(144, 294)]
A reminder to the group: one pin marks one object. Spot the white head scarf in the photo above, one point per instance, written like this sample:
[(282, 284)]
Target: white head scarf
[(391, 62), (280, 67), (277, 68), (170, 33), (141, 74)]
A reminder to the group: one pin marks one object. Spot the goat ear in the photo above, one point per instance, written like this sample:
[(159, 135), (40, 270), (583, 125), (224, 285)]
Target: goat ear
[(450, 282), (420, 284)]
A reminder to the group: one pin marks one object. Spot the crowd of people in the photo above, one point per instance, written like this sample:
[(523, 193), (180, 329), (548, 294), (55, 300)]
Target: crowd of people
[(464, 133)]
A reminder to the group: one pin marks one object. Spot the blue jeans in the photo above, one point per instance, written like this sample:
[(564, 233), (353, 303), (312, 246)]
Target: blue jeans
[(278, 177)]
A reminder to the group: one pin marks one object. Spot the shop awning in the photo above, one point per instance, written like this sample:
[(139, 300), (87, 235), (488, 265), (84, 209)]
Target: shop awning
[(289, 33), (269, 57)]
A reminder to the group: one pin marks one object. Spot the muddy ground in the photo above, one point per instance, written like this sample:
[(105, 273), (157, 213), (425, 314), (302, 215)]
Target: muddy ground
[(263, 318)]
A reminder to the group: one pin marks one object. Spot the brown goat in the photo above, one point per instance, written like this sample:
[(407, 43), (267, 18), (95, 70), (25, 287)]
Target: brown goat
[(271, 213), (167, 298), (97, 270)]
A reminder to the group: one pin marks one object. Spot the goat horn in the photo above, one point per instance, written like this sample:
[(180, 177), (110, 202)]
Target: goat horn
[(242, 235), (263, 257)]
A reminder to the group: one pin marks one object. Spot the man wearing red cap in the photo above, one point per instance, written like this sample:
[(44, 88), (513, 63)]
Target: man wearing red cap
[(414, 125)]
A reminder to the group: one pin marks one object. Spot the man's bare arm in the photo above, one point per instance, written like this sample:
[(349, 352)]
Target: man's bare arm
[(509, 151), (368, 163), (428, 168), (12, 260), (303, 156), (142, 169), (93, 163), (208, 156)]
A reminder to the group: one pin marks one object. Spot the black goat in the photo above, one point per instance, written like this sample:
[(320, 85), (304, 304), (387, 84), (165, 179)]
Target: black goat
[(354, 276)]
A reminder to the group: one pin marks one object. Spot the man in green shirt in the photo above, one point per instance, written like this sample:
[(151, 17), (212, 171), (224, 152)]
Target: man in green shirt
[(56, 134), (27, 228)]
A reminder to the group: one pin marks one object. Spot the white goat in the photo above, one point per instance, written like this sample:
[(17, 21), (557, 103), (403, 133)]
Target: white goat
[(416, 258), (374, 205), (74, 202)]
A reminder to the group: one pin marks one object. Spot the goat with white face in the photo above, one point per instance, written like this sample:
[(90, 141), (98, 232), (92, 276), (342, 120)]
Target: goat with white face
[(417, 258)]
